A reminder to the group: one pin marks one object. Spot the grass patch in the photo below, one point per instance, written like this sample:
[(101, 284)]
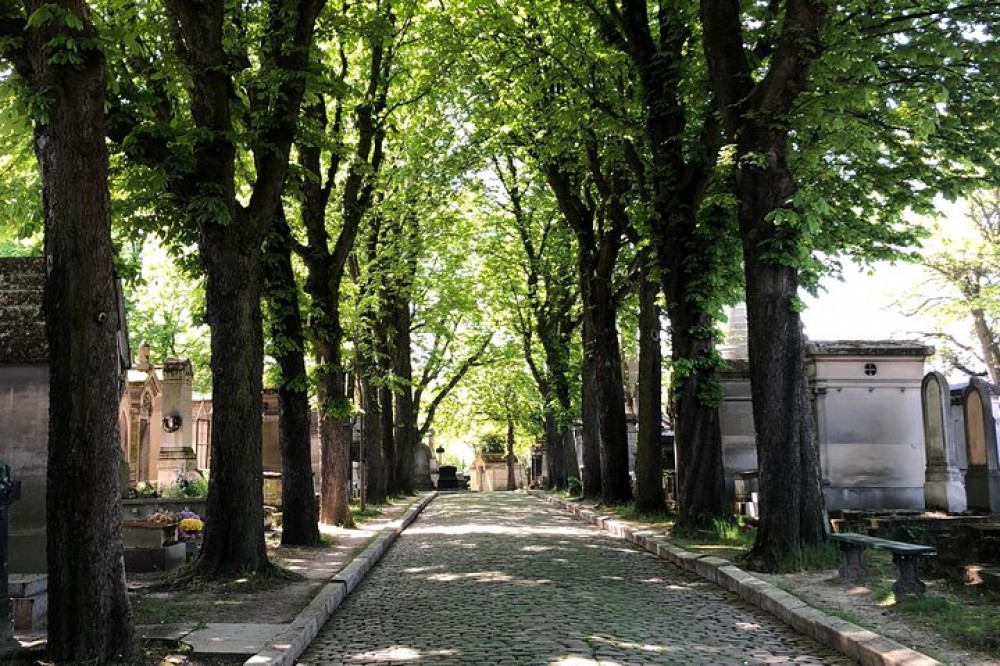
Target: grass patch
[(969, 619), (370, 511), (811, 558), (659, 520)]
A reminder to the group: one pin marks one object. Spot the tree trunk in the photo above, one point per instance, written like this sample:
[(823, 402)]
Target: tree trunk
[(511, 479), (90, 618), (555, 457), (649, 454), (406, 435), (988, 344), (386, 444), (792, 513), (371, 440), (697, 435), (753, 109), (615, 482), (335, 441), (234, 533), (300, 516), (591, 435)]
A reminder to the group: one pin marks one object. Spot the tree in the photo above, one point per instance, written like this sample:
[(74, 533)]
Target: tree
[(696, 264), (963, 285), (546, 306), (300, 515), (863, 112), (55, 49), (193, 140), (752, 112)]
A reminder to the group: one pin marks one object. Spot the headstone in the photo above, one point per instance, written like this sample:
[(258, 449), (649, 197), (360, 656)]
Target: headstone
[(10, 491), (943, 488), (176, 450), (982, 481), (448, 479)]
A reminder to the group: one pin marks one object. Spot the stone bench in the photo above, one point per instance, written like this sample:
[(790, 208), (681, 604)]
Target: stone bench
[(905, 558)]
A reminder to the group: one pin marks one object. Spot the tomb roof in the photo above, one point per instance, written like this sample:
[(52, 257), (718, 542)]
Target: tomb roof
[(868, 348)]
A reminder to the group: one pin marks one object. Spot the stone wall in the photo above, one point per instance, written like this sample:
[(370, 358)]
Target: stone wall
[(24, 409)]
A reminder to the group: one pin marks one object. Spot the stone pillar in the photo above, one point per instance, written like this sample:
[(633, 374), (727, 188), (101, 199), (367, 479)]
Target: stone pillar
[(177, 454), (10, 491), (943, 488), (982, 481)]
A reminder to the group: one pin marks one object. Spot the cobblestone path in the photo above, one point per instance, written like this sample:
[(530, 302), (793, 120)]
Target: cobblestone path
[(505, 578)]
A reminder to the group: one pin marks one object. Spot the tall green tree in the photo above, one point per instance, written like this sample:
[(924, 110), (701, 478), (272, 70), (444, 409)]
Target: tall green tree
[(545, 298), (286, 344), (197, 111), (56, 50), (678, 165), (963, 286), (835, 108)]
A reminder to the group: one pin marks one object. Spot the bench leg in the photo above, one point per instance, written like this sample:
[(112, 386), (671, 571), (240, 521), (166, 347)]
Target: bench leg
[(908, 585), (853, 569)]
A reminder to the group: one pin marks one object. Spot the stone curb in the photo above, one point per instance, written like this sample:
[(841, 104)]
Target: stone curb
[(285, 648), (862, 645)]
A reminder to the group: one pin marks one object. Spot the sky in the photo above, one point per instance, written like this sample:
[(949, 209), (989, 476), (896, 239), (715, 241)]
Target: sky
[(865, 305)]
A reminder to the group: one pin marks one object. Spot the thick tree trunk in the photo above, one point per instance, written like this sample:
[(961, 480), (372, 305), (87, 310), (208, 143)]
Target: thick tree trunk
[(649, 494), (387, 443), (406, 436), (686, 254), (697, 435), (601, 310), (234, 544), (792, 513), (335, 448), (753, 110), (511, 479), (591, 435), (371, 442), (300, 522), (89, 614)]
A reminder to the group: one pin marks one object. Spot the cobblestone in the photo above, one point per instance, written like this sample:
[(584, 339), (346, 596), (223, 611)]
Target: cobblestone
[(505, 578)]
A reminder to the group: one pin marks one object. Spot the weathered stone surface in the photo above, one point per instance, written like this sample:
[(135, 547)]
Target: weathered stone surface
[(22, 322)]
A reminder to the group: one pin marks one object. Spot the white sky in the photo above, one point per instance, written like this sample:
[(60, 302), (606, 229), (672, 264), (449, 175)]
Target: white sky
[(864, 306)]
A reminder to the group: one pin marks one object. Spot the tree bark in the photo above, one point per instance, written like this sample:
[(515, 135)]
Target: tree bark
[(754, 109), (591, 427), (90, 618), (615, 483), (679, 180), (792, 512), (649, 495), (300, 517), (406, 437), (511, 479), (230, 242)]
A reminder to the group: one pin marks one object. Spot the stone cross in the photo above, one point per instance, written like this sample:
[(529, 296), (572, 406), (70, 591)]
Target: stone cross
[(943, 487), (10, 491)]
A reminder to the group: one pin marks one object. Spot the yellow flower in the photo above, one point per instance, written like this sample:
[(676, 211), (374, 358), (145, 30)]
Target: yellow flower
[(191, 525)]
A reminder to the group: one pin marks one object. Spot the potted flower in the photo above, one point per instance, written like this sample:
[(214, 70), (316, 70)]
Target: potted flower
[(189, 531)]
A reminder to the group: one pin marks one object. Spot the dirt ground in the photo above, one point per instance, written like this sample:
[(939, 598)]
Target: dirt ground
[(859, 604)]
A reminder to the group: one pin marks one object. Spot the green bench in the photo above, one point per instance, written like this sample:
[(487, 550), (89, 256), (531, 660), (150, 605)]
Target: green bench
[(905, 558)]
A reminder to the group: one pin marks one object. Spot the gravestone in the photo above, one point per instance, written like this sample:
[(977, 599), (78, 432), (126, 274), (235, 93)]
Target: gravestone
[(448, 479), (982, 481), (943, 488), (10, 491)]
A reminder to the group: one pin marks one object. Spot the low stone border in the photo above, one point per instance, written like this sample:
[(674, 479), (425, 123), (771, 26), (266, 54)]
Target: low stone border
[(862, 645), (285, 648)]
